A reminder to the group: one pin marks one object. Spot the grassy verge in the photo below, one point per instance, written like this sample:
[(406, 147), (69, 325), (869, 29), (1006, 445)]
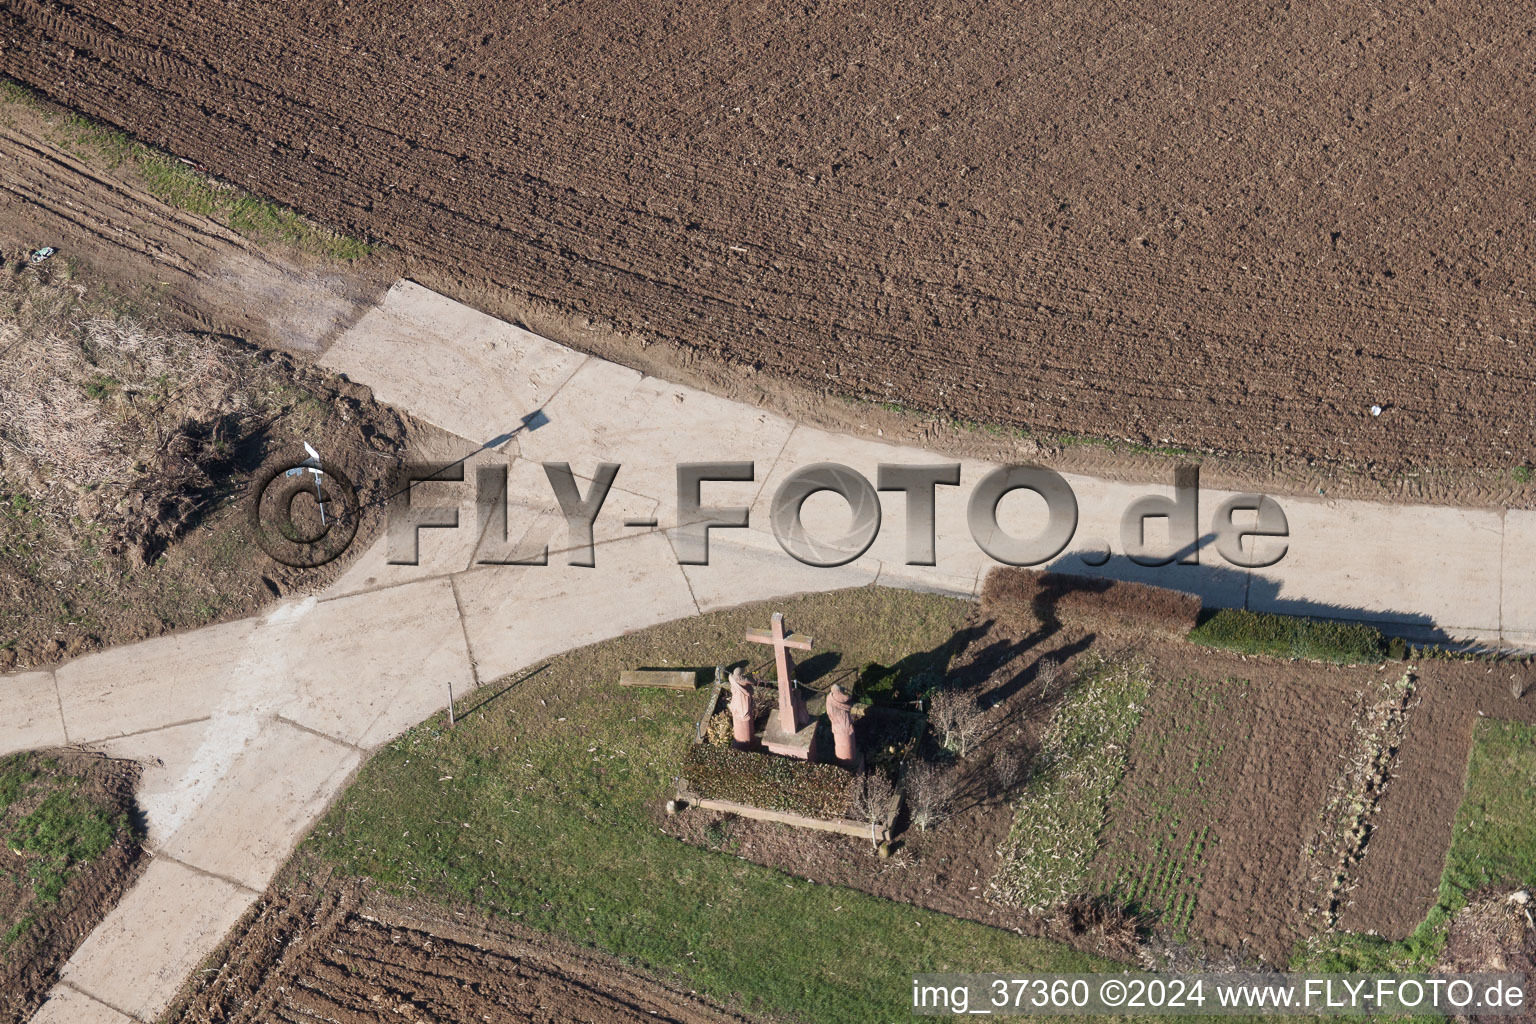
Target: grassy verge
[(1288, 636), (1494, 843), (1055, 833), (184, 187), (541, 806)]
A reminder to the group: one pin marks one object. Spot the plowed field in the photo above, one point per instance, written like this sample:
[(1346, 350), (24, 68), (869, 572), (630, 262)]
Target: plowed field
[(342, 955), (1231, 228)]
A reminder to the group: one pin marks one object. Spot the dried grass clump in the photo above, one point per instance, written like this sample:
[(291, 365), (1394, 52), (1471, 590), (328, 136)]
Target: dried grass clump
[(111, 421), (1023, 600)]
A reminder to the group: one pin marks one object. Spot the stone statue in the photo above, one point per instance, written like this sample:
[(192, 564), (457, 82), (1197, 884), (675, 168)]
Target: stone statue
[(743, 707), (839, 706)]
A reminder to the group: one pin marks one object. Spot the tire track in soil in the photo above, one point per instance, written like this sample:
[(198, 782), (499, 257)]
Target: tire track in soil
[(214, 277), (1233, 234)]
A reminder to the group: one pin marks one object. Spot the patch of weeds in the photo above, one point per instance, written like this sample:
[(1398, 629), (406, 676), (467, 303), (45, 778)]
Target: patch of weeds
[(1521, 475), (66, 829), (1493, 844), (100, 386), (1289, 636), (16, 772), (15, 932), (896, 685), (1060, 814), (716, 833)]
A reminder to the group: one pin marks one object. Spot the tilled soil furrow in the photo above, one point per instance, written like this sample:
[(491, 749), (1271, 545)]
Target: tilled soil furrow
[(331, 954)]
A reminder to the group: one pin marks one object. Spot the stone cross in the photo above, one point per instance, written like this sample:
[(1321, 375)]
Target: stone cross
[(792, 714)]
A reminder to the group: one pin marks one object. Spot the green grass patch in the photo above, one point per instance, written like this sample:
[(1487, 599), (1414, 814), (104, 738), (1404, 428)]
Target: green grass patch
[(541, 807), (1289, 636), (52, 820), (100, 386), (15, 932), (1493, 844), (65, 830), (1055, 832)]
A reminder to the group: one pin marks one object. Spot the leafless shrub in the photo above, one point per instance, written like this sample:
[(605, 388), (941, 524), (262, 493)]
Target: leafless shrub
[(1054, 676), (957, 718), (930, 790), (1009, 770), (871, 802), (1105, 924)]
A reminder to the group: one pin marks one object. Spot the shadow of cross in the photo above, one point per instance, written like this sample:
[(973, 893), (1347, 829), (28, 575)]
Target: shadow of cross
[(792, 714)]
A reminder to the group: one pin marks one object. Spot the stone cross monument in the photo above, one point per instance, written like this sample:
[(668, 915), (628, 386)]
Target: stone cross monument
[(791, 730)]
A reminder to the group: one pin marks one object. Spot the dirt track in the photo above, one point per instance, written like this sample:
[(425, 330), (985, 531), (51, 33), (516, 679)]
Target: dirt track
[(1148, 225)]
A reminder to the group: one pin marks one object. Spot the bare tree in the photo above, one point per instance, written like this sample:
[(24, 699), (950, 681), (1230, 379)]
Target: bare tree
[(1049, 672), (930, 790), (943, 709), (1009, 769), (957, 717), (871, 802)]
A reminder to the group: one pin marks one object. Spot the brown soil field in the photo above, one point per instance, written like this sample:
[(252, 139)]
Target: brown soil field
[(1229, 232), (332, 950), (29, 965)]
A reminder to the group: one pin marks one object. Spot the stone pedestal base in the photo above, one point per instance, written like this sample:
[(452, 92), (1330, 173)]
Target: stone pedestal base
[(801, 744)]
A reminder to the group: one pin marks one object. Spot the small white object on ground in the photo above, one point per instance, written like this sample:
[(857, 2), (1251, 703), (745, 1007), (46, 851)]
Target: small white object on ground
[(1375, 410)]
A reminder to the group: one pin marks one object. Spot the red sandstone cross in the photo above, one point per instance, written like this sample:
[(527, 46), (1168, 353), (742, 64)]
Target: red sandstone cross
[(792, 714)]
